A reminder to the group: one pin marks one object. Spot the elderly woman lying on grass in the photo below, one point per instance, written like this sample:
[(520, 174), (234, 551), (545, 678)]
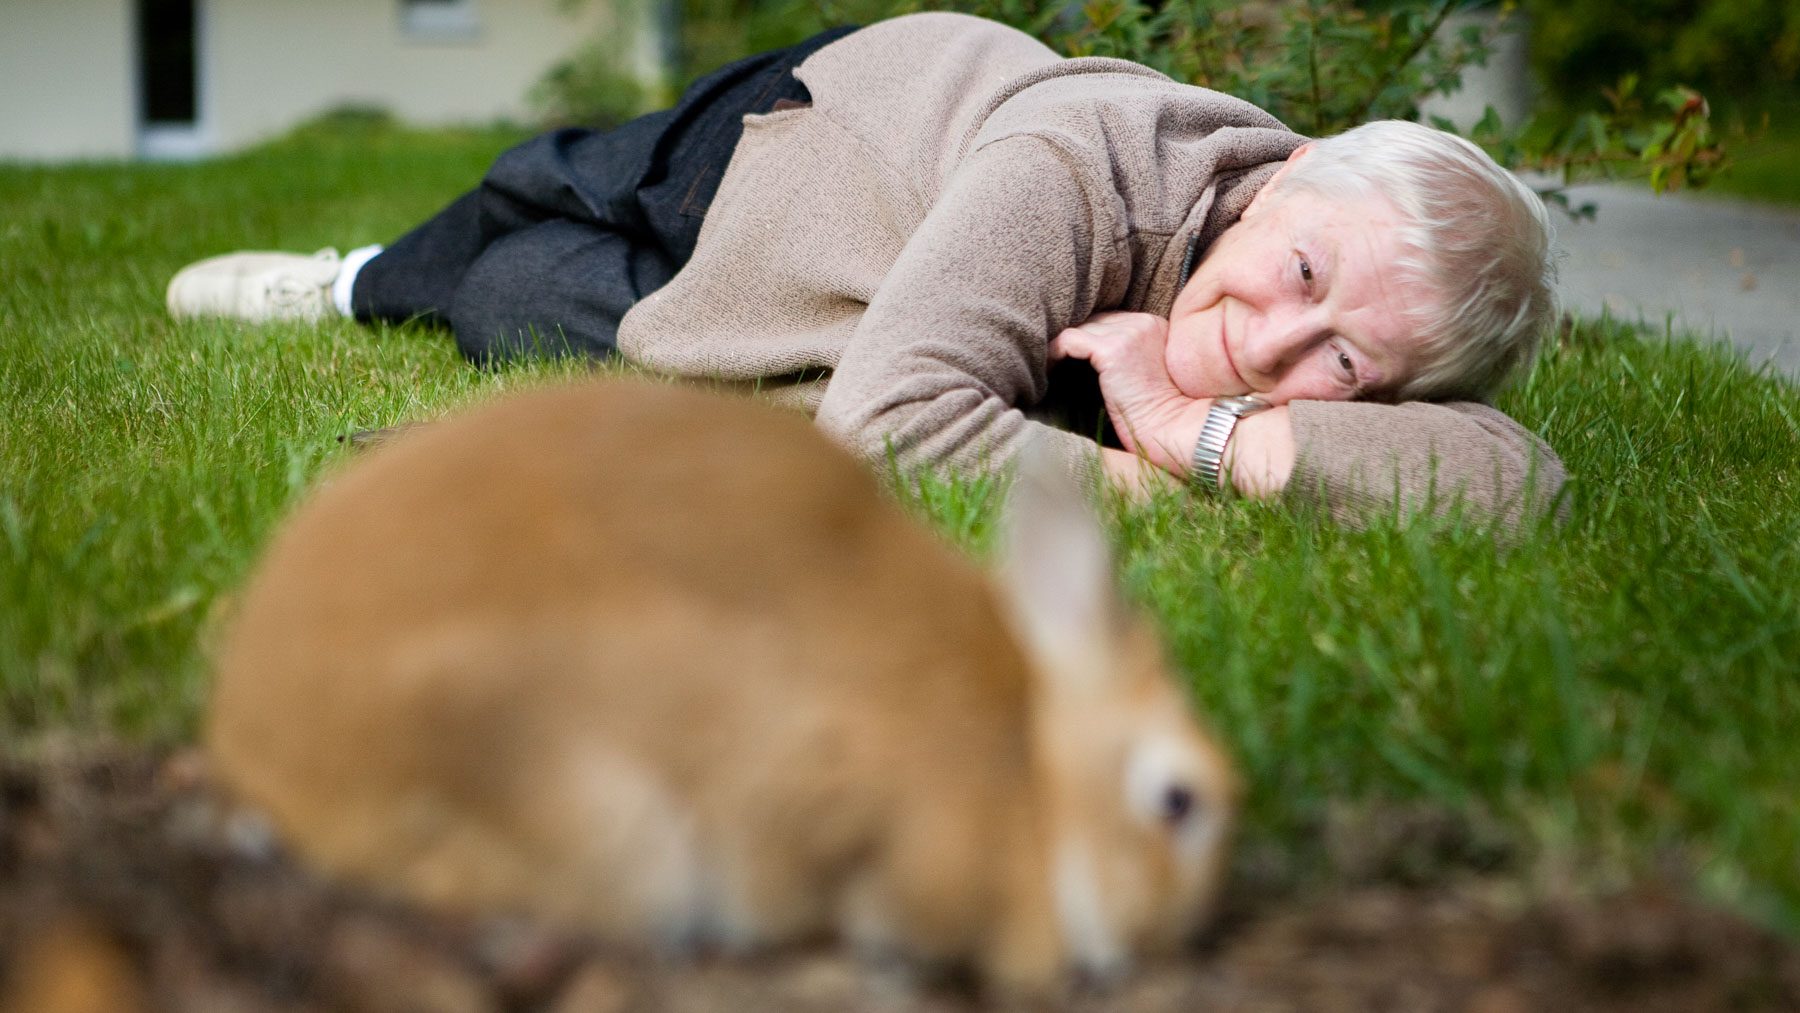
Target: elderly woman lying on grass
[(900, 229)]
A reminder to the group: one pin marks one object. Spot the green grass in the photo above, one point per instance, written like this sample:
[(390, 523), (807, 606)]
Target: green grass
[(1613, 697), (1765, 162)]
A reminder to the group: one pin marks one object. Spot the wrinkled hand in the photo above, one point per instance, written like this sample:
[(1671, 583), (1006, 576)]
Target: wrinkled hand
[(1152, 416)]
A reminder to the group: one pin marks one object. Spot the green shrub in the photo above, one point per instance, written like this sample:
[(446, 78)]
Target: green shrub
[(1731, 46), (588, 89), (1321, 66), (715, 32)]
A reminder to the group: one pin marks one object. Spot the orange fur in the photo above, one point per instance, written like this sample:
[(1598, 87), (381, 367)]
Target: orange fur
[(668, 666)]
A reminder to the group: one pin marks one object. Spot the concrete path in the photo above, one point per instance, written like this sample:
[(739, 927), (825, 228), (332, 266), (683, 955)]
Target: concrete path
[(1717, 266)]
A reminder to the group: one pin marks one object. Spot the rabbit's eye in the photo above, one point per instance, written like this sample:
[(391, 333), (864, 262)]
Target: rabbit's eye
[(1177, 803), (1163, 790)]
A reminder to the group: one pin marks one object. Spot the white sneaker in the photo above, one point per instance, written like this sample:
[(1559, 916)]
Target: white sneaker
[(258, 286)]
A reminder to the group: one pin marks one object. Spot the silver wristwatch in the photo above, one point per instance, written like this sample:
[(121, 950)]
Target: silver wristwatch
[(1209, 453)]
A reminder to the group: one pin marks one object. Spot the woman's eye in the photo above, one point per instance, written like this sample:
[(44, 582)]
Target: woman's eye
[(1346, 365), (1306, 273)]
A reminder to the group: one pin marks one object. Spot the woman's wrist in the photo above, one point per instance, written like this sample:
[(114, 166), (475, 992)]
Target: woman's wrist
[(1171, 446), (1132, 474), (1260, 456)]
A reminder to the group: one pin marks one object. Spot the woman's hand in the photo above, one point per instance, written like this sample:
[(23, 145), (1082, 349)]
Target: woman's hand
[(1157, 422), (1153, 418)]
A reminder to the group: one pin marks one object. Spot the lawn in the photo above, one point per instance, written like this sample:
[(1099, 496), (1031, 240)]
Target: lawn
[(1606, 700), (1764, 158)]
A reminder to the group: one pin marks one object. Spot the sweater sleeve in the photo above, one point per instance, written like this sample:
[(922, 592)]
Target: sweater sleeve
[(954, 342), (1357, 458)]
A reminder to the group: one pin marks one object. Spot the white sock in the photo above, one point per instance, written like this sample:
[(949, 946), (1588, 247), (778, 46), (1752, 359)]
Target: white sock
[(353, 262)]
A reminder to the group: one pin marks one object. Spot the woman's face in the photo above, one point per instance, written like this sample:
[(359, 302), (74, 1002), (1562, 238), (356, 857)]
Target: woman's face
[(1297, 301)]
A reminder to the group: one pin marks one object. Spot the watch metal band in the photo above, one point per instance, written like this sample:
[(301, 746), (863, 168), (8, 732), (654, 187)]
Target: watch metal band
[(1215, 433)]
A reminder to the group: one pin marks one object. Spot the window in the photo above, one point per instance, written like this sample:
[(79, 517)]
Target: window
[(167, 85), (439, 19), (171, 80)]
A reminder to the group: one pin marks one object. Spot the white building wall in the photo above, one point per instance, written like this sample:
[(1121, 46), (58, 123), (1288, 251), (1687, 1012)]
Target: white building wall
[(67, 79), (267, 64), (69, 68)]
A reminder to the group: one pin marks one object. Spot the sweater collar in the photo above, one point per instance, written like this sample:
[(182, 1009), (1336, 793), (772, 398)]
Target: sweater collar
[(1220, 206)]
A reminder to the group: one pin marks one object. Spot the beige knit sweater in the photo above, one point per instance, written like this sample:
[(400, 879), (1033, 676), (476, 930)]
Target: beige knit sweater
[(896, 257)]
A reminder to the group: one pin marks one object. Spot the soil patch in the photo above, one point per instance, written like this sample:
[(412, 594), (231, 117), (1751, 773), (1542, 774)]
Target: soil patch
[(125, 884)]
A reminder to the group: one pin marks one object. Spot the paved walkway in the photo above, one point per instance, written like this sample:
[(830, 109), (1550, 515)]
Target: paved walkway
[(1717, 266)]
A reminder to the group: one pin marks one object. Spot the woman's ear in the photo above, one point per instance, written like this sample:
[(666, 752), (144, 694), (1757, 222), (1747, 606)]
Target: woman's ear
[(1275, 180)]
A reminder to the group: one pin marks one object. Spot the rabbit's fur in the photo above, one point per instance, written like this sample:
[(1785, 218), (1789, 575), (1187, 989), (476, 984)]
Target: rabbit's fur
[(668, 666)]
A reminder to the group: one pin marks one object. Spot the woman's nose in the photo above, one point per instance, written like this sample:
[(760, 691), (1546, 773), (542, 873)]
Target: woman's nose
[(1276, 339)]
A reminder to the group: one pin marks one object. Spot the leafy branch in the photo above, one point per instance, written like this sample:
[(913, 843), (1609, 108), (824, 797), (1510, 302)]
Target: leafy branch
[(1394, 64), (1322, 65), (1331, 64)]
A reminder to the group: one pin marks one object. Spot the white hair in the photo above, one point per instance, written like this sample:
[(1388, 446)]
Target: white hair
[(1476, 236)]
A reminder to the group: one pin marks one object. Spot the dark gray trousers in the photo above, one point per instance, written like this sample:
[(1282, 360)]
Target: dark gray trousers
[(571, 228)]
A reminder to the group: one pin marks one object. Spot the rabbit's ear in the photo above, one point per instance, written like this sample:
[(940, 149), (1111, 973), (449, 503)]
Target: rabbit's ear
[(1055, 571)]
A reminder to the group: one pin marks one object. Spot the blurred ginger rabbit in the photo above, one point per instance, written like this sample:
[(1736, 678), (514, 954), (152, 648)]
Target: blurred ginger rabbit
[(669, 667)]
